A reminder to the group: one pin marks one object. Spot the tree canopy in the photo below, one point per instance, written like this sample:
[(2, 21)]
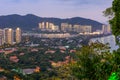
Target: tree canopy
[(114, 13)]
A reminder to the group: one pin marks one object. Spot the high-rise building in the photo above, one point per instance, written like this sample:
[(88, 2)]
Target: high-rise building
[(40, 25), (47, 25), (64, 27), (70, 28), (76, 28), (1, 37), (18, 35), (106, 29), (109, 29), (56, 28), (87, 29), (82, 28), (51, 26), (8, 35)]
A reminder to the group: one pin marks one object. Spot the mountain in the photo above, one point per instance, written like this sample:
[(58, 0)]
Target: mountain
[(30, 21)]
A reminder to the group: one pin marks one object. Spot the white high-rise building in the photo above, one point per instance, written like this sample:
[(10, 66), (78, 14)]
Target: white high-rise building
[(64, 27), (51, 26), (47, 25), (106, 29), (76, 28), (18, 35), (1, 37), (109, 29), (8, 35), (87, 29), (82, 28), (70, 28), (40, 25)]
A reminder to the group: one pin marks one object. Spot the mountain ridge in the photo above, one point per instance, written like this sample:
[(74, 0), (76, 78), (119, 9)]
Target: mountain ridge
[(30, 21)]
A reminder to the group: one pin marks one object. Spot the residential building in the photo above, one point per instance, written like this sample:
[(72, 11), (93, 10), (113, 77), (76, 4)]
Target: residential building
[(76, 28), (86, 29), (8, 35), (46, 26), (1, 37), (40, 25), (106, 29), (18, 35), (64, 27), (82, 28)]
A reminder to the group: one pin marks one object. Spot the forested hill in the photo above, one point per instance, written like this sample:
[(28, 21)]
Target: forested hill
[(30, 21)]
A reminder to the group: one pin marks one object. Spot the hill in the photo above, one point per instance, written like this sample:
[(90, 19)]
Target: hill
[(30, 21)]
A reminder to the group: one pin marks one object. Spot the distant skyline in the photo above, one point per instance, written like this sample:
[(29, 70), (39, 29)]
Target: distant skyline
[(91, 9)]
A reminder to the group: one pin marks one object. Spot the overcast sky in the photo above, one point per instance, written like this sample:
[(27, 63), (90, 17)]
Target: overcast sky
[(91, 9)]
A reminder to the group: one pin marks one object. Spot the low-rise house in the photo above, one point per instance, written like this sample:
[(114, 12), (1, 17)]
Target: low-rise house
[(72, 51), (62, 51), (34, 50), (67, 57), (62, 48), (1, 69), (1, 51), (21, 54), (59, 63), (50, 51), (3, 78), (9, 50), (37, 69), (14, 59), (28, 71)]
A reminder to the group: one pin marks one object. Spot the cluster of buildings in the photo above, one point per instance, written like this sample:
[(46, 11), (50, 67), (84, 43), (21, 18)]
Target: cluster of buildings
[(65, 27), (10, 36), (51, 35), (82, 29), (46, 26), (106, 29)]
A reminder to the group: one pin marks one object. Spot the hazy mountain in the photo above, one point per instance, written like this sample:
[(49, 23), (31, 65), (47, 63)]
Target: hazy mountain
[(29, 21)]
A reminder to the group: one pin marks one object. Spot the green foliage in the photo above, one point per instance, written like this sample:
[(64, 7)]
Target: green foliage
[(114, 14), (114, 76), (108, 12), (94, 62), (64, 72), (115, 21)]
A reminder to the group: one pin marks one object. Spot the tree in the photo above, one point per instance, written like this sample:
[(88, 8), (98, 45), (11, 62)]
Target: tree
[(114, 13), (94, 62), (109, 13), (115, 23), (65, 73)]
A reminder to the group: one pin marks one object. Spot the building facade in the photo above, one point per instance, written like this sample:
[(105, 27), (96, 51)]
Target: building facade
[(46, 26), (64, 27), (106, 29), (18, 35), (1, 37), (8, 36)]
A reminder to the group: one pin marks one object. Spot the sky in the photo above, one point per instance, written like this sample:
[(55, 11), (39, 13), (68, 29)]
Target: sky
[(91, 9)]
